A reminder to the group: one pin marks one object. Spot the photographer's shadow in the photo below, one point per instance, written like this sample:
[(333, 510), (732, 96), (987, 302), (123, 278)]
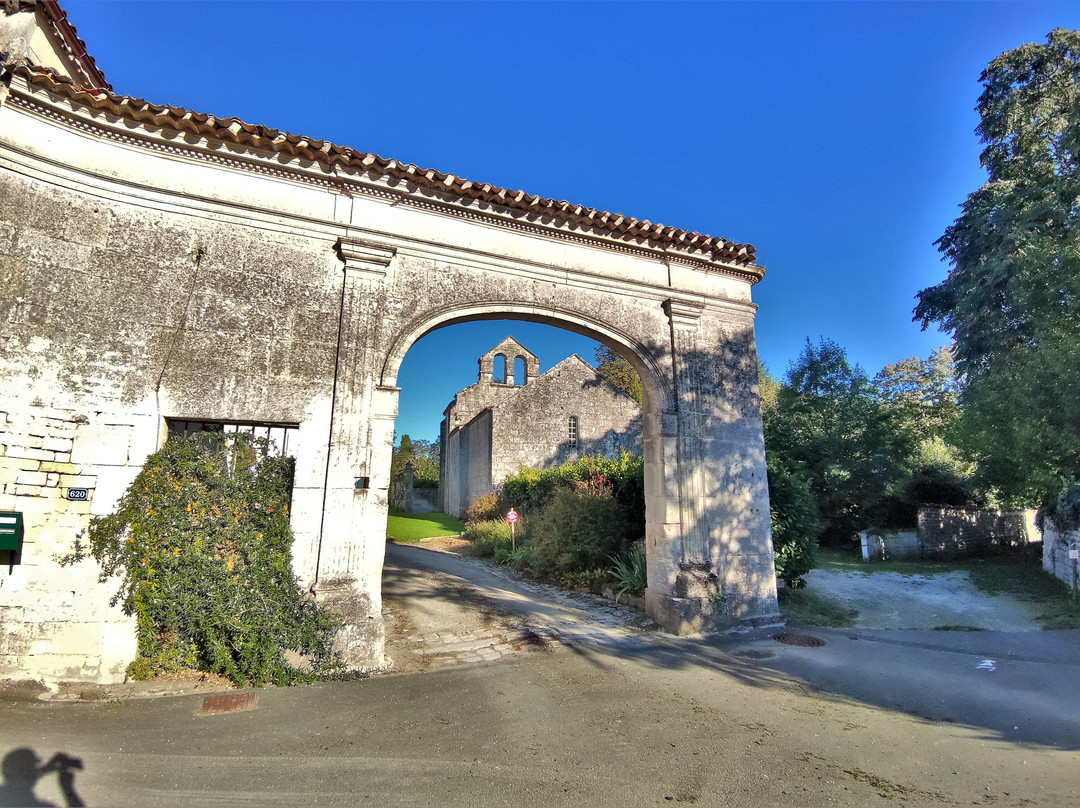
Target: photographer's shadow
[(22, 770)]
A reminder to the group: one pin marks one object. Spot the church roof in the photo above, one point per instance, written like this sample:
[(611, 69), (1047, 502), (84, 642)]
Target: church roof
[(234, 130)]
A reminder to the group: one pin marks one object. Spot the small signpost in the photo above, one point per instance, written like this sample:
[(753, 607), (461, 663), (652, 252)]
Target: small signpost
[(512, 517)]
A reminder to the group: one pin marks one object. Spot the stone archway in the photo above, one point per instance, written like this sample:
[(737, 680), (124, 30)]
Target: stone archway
[(172, 265), (707, 536)]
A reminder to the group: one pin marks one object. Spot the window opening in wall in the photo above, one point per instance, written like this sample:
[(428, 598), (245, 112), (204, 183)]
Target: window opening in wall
[(520, 374), (572, 431), (281, 437), (499, 369)]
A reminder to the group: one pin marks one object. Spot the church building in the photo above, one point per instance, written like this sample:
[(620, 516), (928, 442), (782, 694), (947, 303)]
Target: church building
[(516, 416)]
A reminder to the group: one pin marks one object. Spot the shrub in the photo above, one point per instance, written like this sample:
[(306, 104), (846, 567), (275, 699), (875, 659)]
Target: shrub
[(1063, 507), (795, 521), (629, 573), (490, 539), (530, 490), (202, 545), (483, 509), (576, 532)]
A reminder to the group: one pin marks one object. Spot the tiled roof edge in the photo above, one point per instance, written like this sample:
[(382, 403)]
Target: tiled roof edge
[(237, 131), (69, 38)]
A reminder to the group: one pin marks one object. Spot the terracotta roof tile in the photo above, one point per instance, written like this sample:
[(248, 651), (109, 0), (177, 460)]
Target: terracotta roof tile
[(237, 131), (69, 37)]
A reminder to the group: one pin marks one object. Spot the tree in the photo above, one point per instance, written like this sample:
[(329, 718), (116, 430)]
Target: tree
[(1012, 296), (618, 371), (828, 428), (923, 395), (424, 457)]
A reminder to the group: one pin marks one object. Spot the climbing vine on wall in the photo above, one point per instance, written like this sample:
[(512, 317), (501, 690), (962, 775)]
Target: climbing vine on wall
[(202, 546)]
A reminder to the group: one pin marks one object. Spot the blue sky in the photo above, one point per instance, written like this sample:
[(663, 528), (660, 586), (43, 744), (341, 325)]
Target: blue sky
[(838, 138)]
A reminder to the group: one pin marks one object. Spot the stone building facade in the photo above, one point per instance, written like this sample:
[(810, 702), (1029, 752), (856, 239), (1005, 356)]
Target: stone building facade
[(534, 419), (159, 265)]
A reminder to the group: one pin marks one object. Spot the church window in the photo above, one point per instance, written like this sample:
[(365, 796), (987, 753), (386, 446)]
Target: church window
[(499, 369), (572, 431), (520, 371)]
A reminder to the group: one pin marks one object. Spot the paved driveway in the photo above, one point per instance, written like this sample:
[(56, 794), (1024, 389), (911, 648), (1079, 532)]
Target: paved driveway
[(603, 713)]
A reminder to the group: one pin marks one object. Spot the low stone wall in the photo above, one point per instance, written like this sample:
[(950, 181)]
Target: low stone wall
[(422, 500), (882, 545), (1059, 547), (952, 533)]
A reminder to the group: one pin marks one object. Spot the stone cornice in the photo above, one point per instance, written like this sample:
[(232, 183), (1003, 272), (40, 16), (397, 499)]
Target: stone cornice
[(364, 256), (242, 147)]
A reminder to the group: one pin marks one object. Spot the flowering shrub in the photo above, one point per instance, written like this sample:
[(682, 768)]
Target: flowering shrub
[(484, 509)]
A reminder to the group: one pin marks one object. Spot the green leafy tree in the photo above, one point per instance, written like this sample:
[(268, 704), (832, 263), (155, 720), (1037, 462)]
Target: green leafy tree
[(618, 371), (828, 428), (923, 394), (795, 521), (424, 457), (1012, 296)]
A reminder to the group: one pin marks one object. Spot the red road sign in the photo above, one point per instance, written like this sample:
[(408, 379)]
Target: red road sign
[(512, 516)]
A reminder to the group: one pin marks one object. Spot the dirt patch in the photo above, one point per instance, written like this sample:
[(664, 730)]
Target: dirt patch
[(946, 600), (444, 544)]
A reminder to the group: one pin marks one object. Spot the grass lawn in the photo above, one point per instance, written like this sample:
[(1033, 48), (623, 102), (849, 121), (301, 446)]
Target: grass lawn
[(814, 609), (406, 527), (1019, 576)]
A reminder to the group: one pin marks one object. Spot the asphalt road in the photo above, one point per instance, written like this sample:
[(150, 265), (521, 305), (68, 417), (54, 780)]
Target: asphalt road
[(601, 712)]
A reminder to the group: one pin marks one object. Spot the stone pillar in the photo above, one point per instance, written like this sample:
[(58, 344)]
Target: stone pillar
[(353, 536), (712, 565)]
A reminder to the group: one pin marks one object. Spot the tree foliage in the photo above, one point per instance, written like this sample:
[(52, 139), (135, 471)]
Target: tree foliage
[(424, 457), (845, 453), (795, 521), (922, 394), (1012, 296), (829, 427), (618, 371)]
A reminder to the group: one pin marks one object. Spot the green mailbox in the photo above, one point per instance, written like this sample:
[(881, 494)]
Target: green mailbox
[(11, 530)]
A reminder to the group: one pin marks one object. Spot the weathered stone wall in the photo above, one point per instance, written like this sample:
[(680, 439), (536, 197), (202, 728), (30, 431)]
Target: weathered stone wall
[(889, 545), (158, 264), (1058, 546), (422, 500), (953, 532), (466, 465), (115, 318), (532, 428)]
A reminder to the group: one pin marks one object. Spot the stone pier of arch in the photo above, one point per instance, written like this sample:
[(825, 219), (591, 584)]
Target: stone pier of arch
[(158, 264)]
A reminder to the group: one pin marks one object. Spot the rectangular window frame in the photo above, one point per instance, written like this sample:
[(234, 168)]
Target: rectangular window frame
[(282, 435)]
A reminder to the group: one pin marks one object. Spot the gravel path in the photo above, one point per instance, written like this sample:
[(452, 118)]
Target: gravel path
[(893, 600)]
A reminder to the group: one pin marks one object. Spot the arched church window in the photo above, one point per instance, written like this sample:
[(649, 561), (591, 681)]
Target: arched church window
[(519, 371), (572, 431), (499, 369)]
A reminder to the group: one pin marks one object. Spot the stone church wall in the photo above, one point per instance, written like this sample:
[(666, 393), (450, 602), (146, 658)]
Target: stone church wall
[(532, 428), (466, 472)]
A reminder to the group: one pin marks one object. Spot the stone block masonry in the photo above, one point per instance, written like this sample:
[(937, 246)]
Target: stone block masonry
[(56, 622)]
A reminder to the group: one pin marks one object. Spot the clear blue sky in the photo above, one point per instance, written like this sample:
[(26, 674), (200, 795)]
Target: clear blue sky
[(835, 137)]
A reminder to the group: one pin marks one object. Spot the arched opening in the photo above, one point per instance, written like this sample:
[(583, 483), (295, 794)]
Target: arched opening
[(420, 366), (499, 370)]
